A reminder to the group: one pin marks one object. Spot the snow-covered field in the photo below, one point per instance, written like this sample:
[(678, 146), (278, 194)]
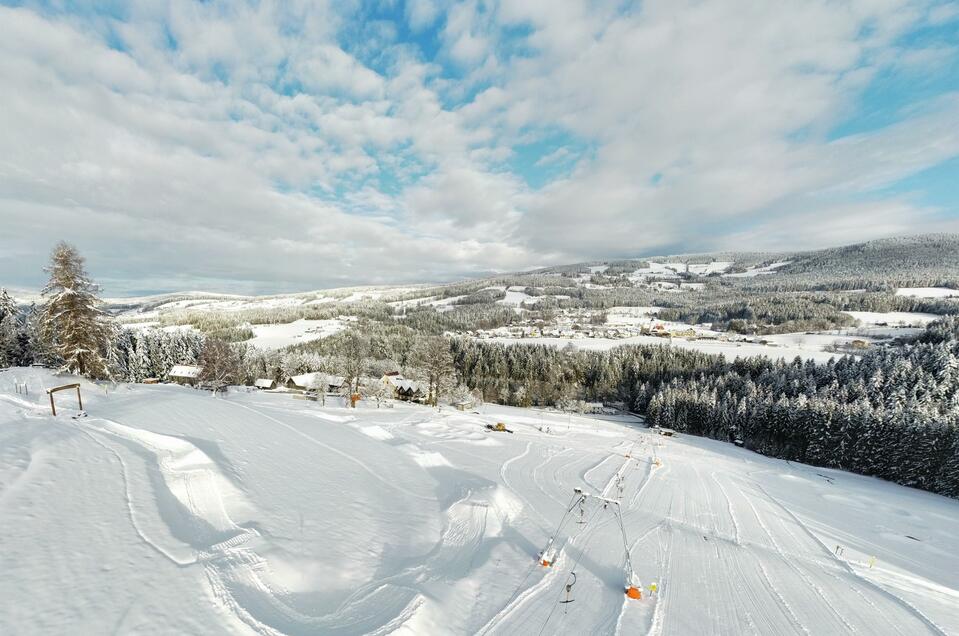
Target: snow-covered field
[(893, 318), (758, 271), (170, 511), (811, 350), (516, 296), (927, 292), (296, 332)]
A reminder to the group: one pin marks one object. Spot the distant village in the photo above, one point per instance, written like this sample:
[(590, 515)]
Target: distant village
[(310, 385)]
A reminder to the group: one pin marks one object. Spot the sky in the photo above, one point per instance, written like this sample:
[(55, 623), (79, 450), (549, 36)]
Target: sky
[(271, 146)]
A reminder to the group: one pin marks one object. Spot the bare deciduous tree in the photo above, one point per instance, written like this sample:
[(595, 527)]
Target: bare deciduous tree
[(219, 364), (432, 356), (354, 355)]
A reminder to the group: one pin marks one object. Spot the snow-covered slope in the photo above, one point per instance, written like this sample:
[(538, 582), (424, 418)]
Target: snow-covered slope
[(170, 511), (296, 332)]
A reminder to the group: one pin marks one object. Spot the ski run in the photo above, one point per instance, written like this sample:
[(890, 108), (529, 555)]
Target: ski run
[(168, 511)]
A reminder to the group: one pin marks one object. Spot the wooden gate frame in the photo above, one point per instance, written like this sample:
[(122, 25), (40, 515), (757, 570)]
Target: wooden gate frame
[(65, 387)]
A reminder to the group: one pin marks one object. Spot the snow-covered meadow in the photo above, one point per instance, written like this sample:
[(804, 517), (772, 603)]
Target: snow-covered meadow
[(167, 510), (297, 332), (806, 347)]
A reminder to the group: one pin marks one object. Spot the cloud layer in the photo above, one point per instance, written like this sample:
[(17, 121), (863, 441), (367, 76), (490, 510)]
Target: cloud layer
[(291, 145)]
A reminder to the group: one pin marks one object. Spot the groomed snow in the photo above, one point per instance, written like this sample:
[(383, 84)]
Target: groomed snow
[(927, 292), (170, 511)]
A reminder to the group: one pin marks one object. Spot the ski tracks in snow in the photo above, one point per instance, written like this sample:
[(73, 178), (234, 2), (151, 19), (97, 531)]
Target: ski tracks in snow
[(131, 510), (844, 565), (197, 484), (363, 466), (229, 552)]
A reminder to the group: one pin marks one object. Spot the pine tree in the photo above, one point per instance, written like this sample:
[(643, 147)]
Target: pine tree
[(11, 341), (8, 307), (71, 322)]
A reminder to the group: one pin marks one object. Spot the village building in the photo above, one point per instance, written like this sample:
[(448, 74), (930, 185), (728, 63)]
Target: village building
[(465, 404), (403, 389), (184, 374), (308, 381), (265, 383)]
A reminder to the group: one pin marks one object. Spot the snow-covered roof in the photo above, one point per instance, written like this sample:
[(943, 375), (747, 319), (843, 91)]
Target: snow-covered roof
[(264, 383), (400, 383), (184, 371), (307, 380)]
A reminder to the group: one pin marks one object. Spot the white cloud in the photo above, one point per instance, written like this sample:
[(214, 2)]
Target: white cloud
[(246, 143), (560, 155), (467, 33), (421, 14)]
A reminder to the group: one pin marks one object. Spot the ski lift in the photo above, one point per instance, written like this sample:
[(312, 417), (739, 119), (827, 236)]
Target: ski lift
[(582, 512), (633, 587), (569, 589), (548, 556)]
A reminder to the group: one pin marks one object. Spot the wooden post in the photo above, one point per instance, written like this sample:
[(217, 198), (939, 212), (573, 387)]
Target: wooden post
[(50, 392)]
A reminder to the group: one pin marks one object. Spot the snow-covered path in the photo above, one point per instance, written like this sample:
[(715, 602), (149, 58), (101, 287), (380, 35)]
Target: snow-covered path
[(170, 511)]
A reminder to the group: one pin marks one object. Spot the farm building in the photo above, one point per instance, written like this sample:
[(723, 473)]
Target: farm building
[(593, 408), (184, 374), (403, 389), (598, 408), (464, 405), (265, 383), (308, 382)]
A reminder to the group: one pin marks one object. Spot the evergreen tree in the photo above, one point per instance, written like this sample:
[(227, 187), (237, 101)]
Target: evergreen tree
[(8, 307), (71, 322), (10, 342)]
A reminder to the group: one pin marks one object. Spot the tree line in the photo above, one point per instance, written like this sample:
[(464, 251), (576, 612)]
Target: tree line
[(892, 413)]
